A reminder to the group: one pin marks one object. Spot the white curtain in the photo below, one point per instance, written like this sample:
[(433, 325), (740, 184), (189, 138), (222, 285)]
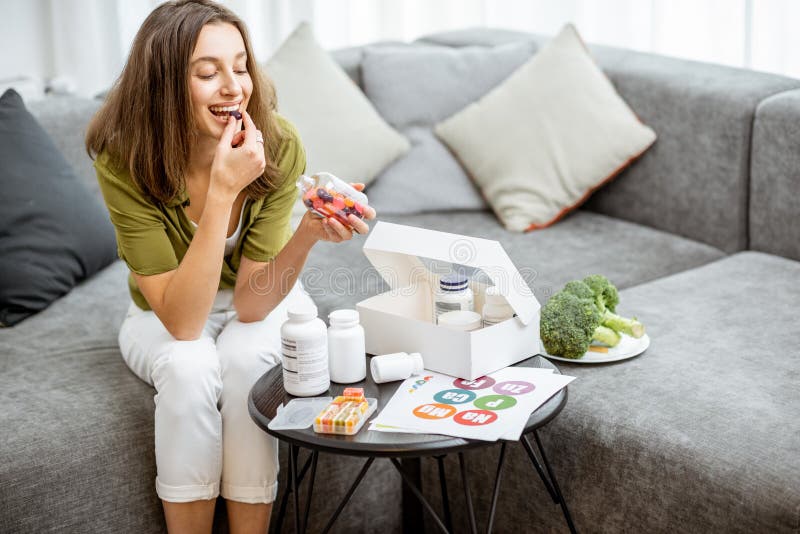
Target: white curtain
[(81, 45)]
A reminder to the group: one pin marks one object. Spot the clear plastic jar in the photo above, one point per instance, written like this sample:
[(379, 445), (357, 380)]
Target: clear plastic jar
[(347, 358), (453, 294), (495, 307), (329, 196), (304, 342)]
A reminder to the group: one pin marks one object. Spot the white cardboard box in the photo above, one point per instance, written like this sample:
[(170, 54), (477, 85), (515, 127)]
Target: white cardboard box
[(400, 320)]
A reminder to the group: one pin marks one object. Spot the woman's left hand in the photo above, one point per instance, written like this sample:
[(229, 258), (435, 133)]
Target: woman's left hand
[(329, 229)]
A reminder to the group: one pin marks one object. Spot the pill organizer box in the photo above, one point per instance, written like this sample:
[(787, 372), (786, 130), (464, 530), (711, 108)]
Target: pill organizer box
[(345, 414)]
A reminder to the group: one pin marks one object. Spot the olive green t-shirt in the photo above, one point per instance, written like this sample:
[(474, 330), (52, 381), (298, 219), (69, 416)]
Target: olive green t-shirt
[(152, 237)]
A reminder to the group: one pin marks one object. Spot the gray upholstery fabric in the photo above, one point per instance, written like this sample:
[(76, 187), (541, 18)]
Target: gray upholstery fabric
[(416, 88), (701, 433), (478, 37), (694, 181), (350, 58), (65, 119), (775, 176), (339, 275), (77, 446)]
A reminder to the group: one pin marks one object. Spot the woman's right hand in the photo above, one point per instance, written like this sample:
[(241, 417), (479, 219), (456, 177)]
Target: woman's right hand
[(235, 167)]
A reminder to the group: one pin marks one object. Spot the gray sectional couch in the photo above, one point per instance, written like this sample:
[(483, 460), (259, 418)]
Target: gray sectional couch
[(699, 434)]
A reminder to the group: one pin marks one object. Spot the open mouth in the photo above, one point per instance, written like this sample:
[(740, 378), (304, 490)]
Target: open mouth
[(222, 112)]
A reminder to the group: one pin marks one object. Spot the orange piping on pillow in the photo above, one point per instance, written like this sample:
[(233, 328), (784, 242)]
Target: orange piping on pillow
[(588, 193)]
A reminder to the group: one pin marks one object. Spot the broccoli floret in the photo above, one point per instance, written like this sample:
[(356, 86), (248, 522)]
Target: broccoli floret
[(570, 323), (606, 297), (605, 292)]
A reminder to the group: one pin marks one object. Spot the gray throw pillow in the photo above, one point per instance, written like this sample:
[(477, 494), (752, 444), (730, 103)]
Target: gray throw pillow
[(53, 232), (414, 88)]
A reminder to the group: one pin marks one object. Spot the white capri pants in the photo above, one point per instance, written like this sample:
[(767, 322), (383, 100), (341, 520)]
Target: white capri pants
[(206, 442)]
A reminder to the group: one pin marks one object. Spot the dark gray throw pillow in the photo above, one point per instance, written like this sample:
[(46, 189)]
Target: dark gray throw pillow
[(53, 232), (414, 88)]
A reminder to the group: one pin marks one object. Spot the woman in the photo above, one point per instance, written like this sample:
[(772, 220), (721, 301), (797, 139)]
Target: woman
[(201, 204)]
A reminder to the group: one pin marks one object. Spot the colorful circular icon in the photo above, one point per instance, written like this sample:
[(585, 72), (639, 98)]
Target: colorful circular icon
[(454, 396), (495, 402), (434, 411), (475, 417), (479, 383), (514, 387)]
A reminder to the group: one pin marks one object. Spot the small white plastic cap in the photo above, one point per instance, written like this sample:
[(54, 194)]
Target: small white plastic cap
[(302, 312), (345, 317), (419, 365)]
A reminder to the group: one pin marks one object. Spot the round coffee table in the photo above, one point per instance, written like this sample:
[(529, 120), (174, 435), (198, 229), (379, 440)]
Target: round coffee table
[(404, 450)]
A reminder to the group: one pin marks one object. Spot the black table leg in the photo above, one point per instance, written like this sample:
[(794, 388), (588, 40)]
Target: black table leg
[(349, 494), (418, 494), (293, 474), (496, 491), (473, 525), (288, 491), (412, 509), (448, 519), (314, 457), (556, 489), (535, 461)]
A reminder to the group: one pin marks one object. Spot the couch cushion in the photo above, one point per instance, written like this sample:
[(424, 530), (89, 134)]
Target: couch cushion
[(339, 275), (701, 433), (694, 180), (65, 119), (414, 88), (77, 447), (341, 131), (775, 176), (53, 234), (542, 141)]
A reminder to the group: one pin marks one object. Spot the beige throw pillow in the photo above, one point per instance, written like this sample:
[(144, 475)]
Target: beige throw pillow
[(341, 130), (542, 141)]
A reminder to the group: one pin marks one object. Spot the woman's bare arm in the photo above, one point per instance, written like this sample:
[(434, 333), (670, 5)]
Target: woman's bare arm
[(182, 298)]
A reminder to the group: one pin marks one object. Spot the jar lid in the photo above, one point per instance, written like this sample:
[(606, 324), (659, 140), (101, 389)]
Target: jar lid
[(302, 312), (453, 282), (461, 320), (344, 317), (494, 296)]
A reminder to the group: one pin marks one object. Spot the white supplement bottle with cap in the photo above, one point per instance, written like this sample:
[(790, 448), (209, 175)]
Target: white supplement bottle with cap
[(347, 355), (396, 366), (304, 342), (495, 307), (453, 294)]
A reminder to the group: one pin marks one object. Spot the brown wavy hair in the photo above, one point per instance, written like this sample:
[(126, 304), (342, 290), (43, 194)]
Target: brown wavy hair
[(146, 123)]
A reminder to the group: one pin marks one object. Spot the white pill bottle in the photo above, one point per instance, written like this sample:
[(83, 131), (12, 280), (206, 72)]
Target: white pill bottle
[(453, 294), (395, 366), (347, 357), (304, 347), (495, 307)]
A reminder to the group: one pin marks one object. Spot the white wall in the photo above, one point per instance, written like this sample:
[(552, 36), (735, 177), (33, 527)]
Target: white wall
[(82, 44), (25, 43)]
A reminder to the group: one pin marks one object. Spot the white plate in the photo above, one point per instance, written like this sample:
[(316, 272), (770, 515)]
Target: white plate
[(628, 347)]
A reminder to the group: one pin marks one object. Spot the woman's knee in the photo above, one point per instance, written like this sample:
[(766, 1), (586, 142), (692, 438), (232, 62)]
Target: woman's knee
[(189, 373), (248, 349)]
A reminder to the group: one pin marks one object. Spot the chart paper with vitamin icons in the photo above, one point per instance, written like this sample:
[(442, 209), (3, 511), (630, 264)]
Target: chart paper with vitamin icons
[(487, 408)]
